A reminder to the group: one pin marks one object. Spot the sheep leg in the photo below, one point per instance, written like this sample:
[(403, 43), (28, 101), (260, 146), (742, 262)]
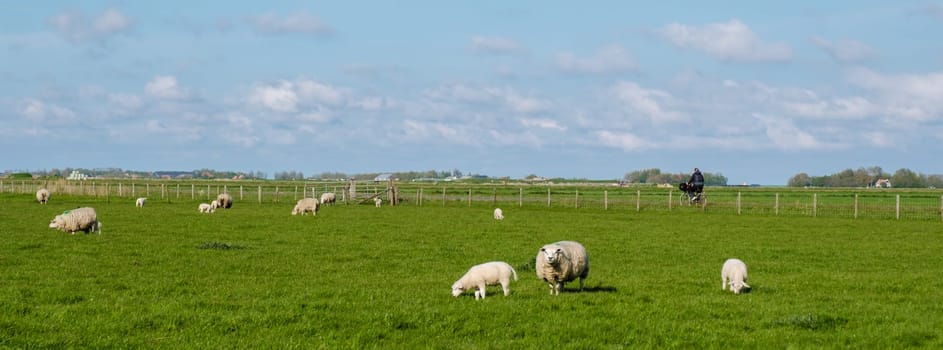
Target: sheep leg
[(481, 288), (504, 285), (723, 283)]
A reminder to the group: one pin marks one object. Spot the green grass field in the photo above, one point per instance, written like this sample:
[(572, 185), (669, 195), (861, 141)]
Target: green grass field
[(166, 276)]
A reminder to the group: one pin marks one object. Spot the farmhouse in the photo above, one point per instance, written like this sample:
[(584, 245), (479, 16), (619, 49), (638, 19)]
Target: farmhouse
[(882, 183)]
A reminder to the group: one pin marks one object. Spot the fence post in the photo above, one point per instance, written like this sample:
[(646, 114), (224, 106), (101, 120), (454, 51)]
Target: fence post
[(520, 197), (162, 190), (260, 194), (738, 203), (941, 207), (132, 191), (240, 192), (147, 190), (856, 205), (469, 195), (207, 192), (178, 191), (548, 196), (276, 195), (638, 200), (605, 199), (777, 204), (577, 205), (670, 198), (443, 196), (419, 194), (897, 207), (815, 203), (192, 191)]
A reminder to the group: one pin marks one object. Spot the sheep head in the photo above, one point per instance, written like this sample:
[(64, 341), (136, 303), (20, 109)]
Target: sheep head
[(457, 289), (56, 222), (553, 255), (738, 287)]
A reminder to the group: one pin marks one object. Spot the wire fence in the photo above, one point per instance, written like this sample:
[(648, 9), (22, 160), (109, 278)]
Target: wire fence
[(899, 204)]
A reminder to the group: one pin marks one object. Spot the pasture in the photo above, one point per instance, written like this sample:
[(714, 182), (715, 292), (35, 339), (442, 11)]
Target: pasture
[(356, 276)]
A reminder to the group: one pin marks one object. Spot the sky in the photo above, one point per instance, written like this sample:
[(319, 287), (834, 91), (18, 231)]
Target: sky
[(754, 91)]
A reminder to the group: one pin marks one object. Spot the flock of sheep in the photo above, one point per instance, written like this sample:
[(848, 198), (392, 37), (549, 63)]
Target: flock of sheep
[(556, 263), (562, 262)]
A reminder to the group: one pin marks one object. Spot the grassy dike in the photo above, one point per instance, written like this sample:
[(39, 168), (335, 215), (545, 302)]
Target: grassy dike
[(166, 276)]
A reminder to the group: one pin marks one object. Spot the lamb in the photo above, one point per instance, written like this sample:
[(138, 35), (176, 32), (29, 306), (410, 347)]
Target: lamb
[(42, 195), (306, 205), (498, 214), (206, 208), (328, 198), (734, 273), (80, 219), (140, 202), (214, 204), (225, 200), (561, 262), (377, 201), (479, 276)]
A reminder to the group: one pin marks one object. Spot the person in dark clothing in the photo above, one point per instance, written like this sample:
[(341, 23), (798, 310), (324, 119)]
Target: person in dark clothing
[(696, 185)]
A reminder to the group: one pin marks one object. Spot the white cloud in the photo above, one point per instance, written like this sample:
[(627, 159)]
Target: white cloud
[(646, 102), (75, 27), (417, 131), (166, 88), (786, 136), (543, 124), (297, 23), (312, 90), (731, 40), (622, 140), (50, 114), (609, 59), (279, 98), (845, 51), (506, 97), (495, 45), (917, 97)]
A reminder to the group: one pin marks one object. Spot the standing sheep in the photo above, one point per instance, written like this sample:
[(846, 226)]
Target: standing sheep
[(206, 208), (225, 200), (140, 202), (378, 202), (561, 262), (306, 205), (479, 276), (80, 219), (42, 195), (734, 273), (328, 198), (498, 214)]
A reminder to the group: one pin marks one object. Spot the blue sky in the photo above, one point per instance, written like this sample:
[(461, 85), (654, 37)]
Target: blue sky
[(757, 92)]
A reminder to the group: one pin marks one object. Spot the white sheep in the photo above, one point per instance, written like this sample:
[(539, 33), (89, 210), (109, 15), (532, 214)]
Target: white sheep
[(734, 273), (225, 200), (42, 195), (561, 262), (498, 214), (206, 208), (479, 276), (306, 205), (378, 202), (140, 202), (80, 219), (214, 204), (328, 198)]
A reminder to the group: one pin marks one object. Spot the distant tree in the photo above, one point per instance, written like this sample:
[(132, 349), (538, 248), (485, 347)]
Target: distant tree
[(799, 180), (906, 178), (935, 181)]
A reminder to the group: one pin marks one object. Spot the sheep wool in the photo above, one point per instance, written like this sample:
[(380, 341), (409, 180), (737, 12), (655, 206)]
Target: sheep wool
[(306, 205), (80, 219), (225, 200), (206, 208), (42, 195), (486, 274), (328, 198), (140, 202), (734, 274), (498, 214), (561, 262)]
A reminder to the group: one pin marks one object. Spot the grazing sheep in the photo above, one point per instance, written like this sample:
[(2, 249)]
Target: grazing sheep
[(479, 276), (734, 273), (328, 198), (378, 202), (225, 200), (561, 262), (79, 219), (214, 204), (498, 214), (206, 208), (306, 205), (42, 195), (140, 202)]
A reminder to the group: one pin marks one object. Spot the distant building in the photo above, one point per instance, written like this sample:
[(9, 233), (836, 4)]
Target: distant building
[(76, 175), (384, 177), (882, 183)]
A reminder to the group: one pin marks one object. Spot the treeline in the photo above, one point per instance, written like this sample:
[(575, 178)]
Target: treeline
[(118, 173), (868, 177), (655, 176)]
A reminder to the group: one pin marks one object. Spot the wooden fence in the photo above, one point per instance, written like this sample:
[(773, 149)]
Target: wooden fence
[(848, 203)]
